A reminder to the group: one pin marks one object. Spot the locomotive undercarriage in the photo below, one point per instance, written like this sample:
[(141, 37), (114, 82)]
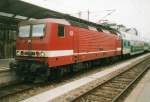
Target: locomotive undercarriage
[(32, 71)]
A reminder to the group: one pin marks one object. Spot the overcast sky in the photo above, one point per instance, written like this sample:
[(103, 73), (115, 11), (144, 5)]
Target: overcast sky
[(132, 13)]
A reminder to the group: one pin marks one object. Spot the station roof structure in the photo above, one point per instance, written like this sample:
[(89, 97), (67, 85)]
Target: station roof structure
[(14, 11), (17, 10), (14, 8)]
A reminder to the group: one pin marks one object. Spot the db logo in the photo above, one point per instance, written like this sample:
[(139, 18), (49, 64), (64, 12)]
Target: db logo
[(29, 41), (71, 33)]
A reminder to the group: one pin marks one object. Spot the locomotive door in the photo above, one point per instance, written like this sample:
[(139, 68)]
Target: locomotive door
[(75, 44), (29, 43)]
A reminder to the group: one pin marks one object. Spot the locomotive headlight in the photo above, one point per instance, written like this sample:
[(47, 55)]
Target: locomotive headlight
[(18, 53), (42, 54)]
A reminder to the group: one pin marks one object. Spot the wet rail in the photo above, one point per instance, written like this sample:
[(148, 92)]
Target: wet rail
[(7, 77), (116, 88), (13, 89)]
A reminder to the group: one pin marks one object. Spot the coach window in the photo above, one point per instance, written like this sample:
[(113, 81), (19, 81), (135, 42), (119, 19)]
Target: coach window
[(125, 43), (61, 30), (128, 43)]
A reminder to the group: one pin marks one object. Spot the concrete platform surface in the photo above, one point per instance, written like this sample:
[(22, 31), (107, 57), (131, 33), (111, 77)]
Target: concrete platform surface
[(141, 92), (4, 63), (97, 78), (7, 76)]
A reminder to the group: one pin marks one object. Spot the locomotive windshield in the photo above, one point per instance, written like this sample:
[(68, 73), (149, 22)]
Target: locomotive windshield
[(24, 31), (37, 30)]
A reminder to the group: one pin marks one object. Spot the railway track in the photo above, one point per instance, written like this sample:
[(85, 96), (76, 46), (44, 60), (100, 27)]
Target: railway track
[(13, 89), (115, 89), (19, 88), (7, 77)]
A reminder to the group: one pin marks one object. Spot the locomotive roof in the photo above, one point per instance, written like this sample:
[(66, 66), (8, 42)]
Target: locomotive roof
[(59, 21), (53, 20), (70, 22)]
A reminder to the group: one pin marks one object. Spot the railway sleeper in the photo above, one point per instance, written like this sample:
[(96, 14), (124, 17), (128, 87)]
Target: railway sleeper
[(127, 76), (107, 91), (93, 98), (133, 73), (116, 81), (103, 94), (111, 89), (123, 79), (128, 73), (116, 86)]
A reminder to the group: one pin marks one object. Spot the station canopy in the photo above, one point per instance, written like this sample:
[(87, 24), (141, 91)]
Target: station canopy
[(14, 11), (17, 10)]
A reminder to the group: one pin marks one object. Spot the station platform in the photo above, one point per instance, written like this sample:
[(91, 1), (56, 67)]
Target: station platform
[(4, 63), (69, 91), (141, 93), (7, 76)]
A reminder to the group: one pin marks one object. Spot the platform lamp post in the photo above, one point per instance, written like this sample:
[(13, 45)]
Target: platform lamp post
[(88, 14)]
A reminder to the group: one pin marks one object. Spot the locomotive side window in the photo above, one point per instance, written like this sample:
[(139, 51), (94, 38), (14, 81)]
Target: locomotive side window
[(24, 31), (38, 30), (61, 30)]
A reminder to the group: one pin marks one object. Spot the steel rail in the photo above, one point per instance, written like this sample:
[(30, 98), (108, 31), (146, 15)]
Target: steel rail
[(130, 85), (12, 89), (120, 94)]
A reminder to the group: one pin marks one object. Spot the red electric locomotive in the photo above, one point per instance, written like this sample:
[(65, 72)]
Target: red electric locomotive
[(49, 46)]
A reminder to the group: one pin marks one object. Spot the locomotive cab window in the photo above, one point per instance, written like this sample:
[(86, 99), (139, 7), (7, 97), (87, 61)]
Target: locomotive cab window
[(38, 30), (24, 31), (61, 30)]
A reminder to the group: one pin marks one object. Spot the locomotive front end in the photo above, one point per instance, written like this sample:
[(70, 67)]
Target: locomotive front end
[(31, 46)]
